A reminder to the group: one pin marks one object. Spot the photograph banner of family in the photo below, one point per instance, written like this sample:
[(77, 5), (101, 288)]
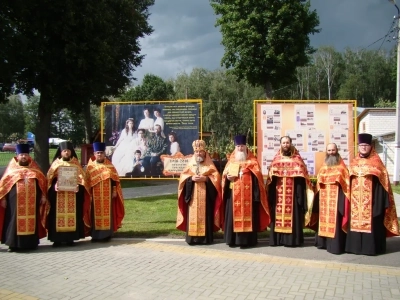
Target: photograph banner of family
[(150, 139)]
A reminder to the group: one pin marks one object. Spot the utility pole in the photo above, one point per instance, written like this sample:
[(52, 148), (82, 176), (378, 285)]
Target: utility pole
[(397, 137)]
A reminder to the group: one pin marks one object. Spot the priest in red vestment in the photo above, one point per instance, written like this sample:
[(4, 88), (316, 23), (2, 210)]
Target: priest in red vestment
[(290, 196), (244, 197), (69, 216), (332, 192), (199, 197), (371, 211), (107, 207), (23, 202)]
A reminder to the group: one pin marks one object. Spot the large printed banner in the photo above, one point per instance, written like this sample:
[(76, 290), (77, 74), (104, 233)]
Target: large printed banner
[(311, 127), (150, 139)]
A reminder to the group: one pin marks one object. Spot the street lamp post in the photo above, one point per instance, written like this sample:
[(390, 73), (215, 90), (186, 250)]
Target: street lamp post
[(397, 137)]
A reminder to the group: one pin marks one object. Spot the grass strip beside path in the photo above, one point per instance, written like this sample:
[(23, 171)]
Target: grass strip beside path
[(151, 217)]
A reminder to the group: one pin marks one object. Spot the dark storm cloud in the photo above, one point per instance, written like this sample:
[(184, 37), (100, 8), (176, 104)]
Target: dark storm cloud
[(185, 36)]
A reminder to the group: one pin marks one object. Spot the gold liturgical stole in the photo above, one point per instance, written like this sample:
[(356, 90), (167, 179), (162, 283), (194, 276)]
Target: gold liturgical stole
[(361, 204), (328, 201), (284, 204), (102, 205), (66, 212), (197, 210), (242, 203), (26, 206)]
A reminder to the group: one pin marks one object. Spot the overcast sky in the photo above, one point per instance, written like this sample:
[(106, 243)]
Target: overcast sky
[(184, 35)]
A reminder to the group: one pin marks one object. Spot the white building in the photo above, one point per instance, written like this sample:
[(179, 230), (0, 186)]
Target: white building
[(381, 123)]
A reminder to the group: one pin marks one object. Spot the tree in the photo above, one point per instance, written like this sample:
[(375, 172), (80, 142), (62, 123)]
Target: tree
[(330, 62), (152, 88), (73, 52), (265, 40), (12, 116)]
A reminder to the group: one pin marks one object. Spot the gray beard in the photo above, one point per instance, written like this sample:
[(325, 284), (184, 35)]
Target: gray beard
[(332, 160), (199, 159), (240, 156)]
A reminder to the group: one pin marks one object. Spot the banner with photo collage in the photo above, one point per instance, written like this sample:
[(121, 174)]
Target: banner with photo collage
[(150, 140), (311, 127)]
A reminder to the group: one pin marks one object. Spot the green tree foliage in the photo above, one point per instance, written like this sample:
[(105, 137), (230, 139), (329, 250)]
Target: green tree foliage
[(12, 115), (152, 88), (265, 40), (73, 52)]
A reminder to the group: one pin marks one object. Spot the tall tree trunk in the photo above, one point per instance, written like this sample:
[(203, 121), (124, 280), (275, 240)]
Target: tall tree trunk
[(88, 122), (43, 132), (268, 90)]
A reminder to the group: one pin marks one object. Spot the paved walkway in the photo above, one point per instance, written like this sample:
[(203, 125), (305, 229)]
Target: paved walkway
[(170, 269)]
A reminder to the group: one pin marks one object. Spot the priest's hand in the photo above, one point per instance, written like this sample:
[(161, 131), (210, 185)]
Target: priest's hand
[(114, 194), (3, 203), (231, 178), (199, 178), (77, 188), (56, 187), (43, 201)]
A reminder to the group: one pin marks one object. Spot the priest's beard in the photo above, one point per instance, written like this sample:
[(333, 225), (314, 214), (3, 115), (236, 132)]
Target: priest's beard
[(66, 158), (100, 160), (23, 163), (286, 152), (332, 160), (240, 156), (199, 159)]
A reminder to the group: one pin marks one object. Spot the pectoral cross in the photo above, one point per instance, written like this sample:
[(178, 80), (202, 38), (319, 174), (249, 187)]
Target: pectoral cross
[(240, 173)]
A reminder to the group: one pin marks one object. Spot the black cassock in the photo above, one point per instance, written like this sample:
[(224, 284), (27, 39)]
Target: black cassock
[(296, 238), (375, 242), (9, 234), (242, 239), (60, 237), (335, 245), (211, 194)]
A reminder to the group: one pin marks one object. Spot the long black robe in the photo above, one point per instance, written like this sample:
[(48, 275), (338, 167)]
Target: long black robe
[(375, 242), (60, 237), (296, 238), (211, 194), (9, 234), (242, 239), (335, 245)]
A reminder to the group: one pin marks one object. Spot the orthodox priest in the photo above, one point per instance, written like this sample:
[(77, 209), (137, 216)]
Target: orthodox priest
[(199, 197), (332, 192), (68, 190), (107, 208), (23, 202), (290, 196), (244, 197), (372, 212)]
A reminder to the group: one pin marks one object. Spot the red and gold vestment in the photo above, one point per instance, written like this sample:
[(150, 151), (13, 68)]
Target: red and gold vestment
[(242, 196), (286, 169), (66, 201), (329, 179), (99, 177), (362, 171), (24, 177), (197, 204)]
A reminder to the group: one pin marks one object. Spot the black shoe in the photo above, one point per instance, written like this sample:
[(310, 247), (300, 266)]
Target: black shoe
[(57, 244), (71, 243), (94, 240), (12, 249)]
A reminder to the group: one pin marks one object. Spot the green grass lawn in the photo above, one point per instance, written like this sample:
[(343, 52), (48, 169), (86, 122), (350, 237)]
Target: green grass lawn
[(151, 217)]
